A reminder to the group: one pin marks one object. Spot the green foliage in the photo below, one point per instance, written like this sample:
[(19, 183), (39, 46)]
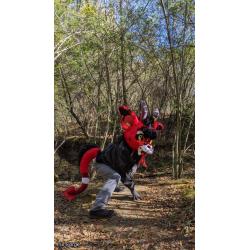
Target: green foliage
[(106, 55)]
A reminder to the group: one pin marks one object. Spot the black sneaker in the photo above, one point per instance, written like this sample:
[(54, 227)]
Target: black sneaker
[(101, 213), (119, 189)]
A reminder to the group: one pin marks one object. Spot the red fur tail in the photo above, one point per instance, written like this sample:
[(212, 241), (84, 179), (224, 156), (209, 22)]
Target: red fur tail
[(71, 192)]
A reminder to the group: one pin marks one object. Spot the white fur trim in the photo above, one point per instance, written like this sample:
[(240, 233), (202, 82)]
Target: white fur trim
[(85, 180)]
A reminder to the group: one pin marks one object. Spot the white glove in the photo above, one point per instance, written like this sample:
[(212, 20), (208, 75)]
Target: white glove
[(148, 149)]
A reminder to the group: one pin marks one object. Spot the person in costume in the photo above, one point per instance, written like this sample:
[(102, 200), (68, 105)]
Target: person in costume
[(115, 162)]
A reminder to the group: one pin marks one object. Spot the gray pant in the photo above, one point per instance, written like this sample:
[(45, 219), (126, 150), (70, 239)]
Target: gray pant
[(112, 179)]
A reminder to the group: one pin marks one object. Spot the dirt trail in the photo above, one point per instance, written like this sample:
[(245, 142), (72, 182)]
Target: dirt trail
[(164, 219)]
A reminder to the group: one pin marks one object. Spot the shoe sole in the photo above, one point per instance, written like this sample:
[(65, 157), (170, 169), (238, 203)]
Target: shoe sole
[(101, 217)]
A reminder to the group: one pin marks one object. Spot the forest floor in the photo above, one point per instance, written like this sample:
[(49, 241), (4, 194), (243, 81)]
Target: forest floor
[(164, 219)]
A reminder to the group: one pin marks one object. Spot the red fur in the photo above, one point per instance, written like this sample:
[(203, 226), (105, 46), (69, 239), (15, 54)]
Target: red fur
[(86, 159), (158, 125), (130, 125), (71, 192)]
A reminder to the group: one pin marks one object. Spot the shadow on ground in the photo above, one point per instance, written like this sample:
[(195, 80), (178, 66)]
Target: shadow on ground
[(164, 219)]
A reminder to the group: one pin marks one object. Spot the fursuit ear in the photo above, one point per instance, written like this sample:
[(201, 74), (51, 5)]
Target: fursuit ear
[(124, 110)]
